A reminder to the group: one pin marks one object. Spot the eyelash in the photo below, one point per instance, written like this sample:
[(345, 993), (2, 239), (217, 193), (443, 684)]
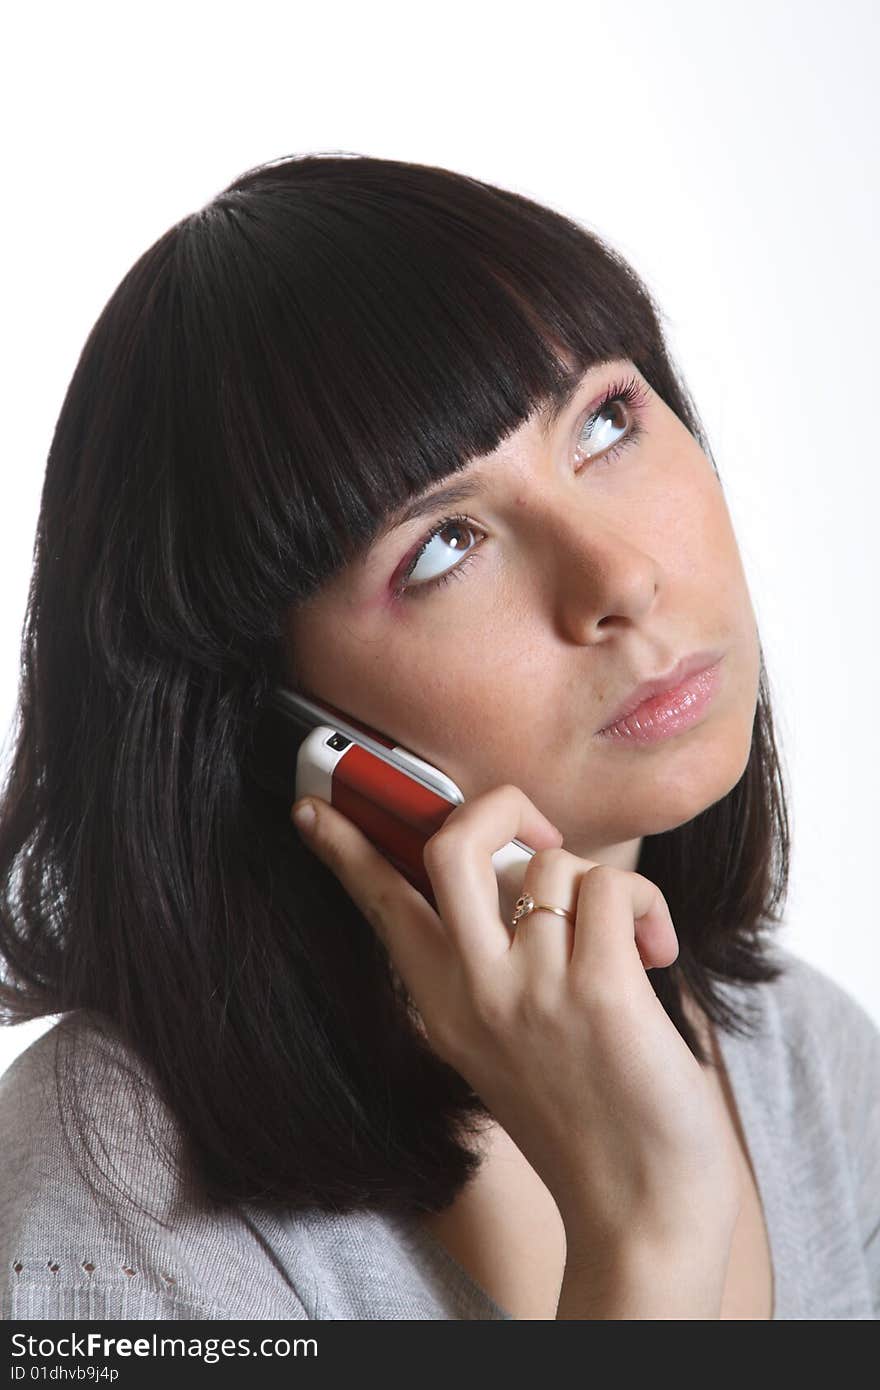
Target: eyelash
[(634, 396)]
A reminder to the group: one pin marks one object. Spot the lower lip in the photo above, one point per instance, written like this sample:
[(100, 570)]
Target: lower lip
[(667, 714)]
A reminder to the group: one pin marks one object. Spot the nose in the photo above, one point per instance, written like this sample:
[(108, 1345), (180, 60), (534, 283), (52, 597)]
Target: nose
[(598, 577)]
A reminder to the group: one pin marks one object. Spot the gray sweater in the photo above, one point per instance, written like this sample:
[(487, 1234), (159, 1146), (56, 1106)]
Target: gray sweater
[(808, 1093)]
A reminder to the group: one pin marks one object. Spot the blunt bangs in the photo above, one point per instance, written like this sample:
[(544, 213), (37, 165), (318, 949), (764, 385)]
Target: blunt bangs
[(374, 335)]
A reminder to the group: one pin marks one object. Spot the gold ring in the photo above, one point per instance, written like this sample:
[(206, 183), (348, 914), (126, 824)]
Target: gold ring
[(526, 905)]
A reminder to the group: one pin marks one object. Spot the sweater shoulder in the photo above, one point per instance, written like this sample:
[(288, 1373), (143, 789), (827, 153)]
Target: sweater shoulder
[(98, 1216)]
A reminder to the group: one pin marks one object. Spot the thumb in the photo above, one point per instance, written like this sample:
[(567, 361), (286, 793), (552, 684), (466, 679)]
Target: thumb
[(342, 846), (339, 843)]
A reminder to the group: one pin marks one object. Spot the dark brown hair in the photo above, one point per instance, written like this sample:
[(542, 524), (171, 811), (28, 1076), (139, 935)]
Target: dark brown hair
[(280, 370)]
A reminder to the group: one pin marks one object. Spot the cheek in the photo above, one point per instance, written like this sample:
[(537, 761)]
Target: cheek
[(692, 531), (484, 723), (471, 713), (719, 552)]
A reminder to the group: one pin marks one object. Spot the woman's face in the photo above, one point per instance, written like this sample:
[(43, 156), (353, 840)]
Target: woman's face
[(581, 569)]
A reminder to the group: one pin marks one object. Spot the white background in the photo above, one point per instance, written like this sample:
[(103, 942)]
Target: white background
[(728, 151)]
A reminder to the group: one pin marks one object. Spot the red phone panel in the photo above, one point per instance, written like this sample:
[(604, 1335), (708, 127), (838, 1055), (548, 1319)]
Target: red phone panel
[(394, 811)]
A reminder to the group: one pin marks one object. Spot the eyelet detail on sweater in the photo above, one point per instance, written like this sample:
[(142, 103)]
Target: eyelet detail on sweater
[(89, 1269)]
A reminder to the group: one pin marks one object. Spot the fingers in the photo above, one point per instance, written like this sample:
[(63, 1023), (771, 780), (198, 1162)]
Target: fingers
[(542, 941), (607, 939), (400, 915), (458, 859), (624, 918), (621, 919)]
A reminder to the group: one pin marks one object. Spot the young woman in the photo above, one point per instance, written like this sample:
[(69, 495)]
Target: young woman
[(283, 1085)]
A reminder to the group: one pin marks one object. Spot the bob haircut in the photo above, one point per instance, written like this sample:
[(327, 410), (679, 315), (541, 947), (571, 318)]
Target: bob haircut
[(326, 337)]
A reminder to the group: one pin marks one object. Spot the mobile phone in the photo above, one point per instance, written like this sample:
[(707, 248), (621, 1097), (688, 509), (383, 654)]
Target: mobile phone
[(398, 800)]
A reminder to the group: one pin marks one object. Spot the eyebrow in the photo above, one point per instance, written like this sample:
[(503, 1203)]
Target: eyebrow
[(474, 485)]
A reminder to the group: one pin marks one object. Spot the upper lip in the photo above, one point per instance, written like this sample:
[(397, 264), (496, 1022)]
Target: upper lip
[(658, 685)]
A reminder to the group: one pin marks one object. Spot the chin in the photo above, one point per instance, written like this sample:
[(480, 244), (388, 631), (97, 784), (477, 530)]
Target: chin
[(679, 797), (662, 794)]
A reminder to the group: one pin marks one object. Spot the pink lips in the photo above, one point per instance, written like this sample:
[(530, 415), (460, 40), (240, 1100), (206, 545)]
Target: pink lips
[(664, 706)]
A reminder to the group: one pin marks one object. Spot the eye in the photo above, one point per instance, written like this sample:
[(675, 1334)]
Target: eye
[(456, 529), (623, 401), (597, 438)]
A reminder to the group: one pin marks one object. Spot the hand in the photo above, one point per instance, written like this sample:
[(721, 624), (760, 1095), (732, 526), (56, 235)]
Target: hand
[(556, 1027)]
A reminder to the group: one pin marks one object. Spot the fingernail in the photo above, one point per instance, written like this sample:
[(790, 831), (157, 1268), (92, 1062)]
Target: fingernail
[(304, 816)]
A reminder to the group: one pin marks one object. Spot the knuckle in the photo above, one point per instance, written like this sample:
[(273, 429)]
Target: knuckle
[(601, 879), (656, 893), (553, 857), (439, 849), (502, 792), (509, 791)]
